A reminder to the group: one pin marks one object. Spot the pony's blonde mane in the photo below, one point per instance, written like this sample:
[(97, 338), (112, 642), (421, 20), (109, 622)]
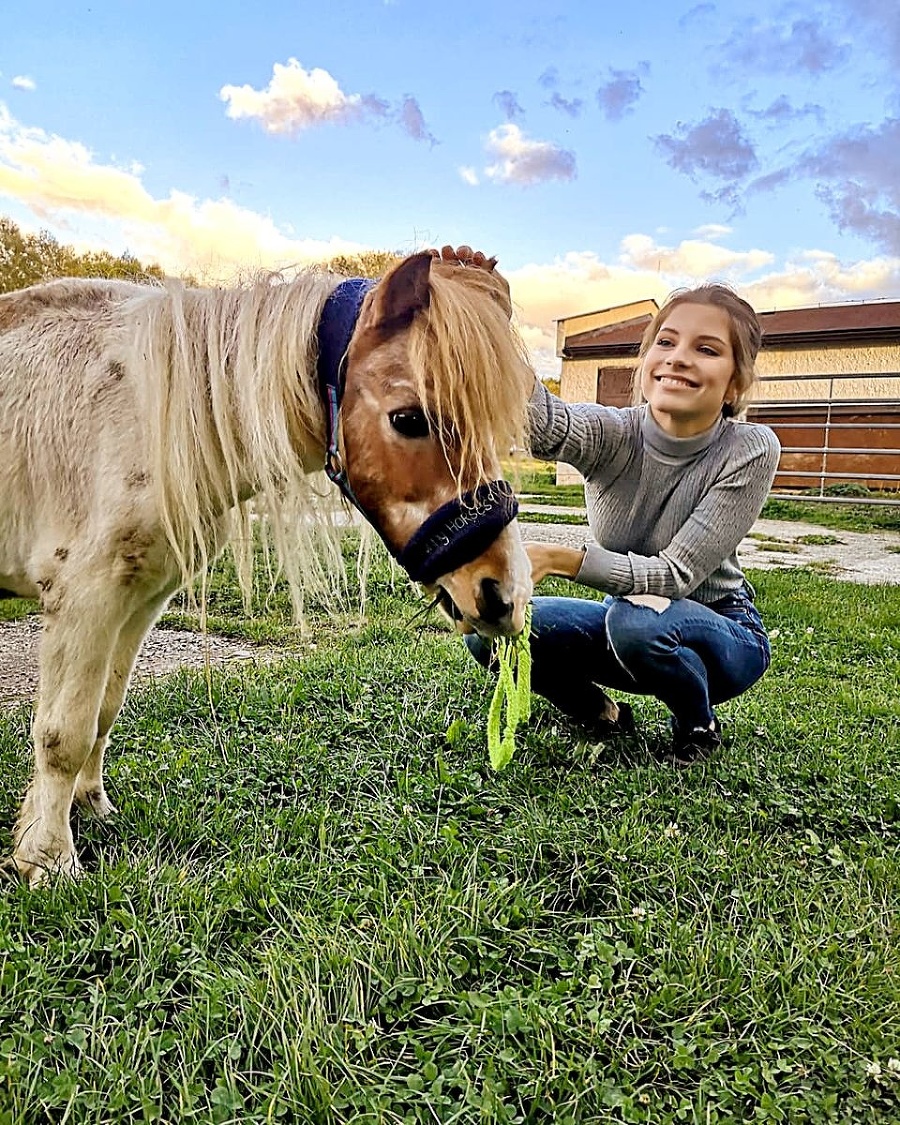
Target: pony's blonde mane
[(472, 369), (230, 402)]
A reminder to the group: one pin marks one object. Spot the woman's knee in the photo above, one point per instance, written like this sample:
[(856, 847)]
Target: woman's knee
[(635, 632)]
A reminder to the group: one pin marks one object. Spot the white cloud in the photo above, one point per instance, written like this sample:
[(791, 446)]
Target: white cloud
[(296, 99), (709, 231), (55, 178), (580, 282), (469, 175), (818, 277), (61, 182), (520, 160), (692, 257), (23, 82)]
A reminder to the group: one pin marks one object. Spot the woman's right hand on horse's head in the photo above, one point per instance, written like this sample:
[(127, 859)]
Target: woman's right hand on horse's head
[(464, 256)]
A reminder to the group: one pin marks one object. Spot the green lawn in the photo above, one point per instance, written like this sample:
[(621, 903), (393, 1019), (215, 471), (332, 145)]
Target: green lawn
[(316, 907)]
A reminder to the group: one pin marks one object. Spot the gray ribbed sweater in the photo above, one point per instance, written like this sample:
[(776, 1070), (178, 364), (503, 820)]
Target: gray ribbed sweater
[(667, 513)]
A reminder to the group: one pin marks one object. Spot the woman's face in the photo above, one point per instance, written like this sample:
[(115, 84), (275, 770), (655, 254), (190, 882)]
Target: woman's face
[(688, 372)]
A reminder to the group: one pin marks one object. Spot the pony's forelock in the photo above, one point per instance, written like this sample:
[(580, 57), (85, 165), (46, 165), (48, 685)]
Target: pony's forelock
[(473, 371)]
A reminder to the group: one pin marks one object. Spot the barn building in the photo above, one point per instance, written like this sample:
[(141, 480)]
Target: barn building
[(830, 386)]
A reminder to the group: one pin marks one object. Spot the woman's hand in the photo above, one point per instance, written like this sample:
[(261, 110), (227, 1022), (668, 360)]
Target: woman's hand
[(550, 559)]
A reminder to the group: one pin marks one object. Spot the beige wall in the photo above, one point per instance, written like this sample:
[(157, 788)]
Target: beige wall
[(876, 358)]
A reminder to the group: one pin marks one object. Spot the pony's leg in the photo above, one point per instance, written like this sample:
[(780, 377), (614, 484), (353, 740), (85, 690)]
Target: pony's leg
[(90, 792), (74, 671)]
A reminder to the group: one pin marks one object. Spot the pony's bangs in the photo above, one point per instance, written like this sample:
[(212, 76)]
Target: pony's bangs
[(472, 369)]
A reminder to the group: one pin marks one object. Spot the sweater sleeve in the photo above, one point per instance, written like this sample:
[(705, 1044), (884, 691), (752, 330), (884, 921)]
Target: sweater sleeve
[(584, 435), (710, 534)]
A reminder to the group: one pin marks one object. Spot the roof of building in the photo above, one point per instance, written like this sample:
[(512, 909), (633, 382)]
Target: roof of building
[(871, 322)]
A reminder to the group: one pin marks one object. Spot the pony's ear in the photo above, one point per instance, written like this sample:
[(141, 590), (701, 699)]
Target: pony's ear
[(403, 292)]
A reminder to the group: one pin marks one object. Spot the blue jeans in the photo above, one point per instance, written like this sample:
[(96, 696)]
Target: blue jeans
[(690, 655)]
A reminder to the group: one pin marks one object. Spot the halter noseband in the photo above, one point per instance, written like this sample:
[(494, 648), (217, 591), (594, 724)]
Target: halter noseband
[(457, 532)]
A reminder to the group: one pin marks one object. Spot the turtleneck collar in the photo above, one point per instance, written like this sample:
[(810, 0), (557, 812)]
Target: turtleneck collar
[(675, 448)]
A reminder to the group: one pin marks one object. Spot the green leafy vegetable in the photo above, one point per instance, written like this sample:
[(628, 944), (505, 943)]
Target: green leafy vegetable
[(514, 691)]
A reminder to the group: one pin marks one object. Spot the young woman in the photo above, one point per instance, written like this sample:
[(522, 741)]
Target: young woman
[(671, 487)]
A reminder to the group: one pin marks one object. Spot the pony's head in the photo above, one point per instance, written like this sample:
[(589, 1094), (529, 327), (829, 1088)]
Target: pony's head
[(436, 392)]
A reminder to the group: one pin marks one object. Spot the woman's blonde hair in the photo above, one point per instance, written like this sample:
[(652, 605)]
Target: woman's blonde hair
[(746, 338)]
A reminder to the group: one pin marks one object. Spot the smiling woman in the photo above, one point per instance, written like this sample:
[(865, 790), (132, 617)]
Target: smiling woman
[(672, 485)]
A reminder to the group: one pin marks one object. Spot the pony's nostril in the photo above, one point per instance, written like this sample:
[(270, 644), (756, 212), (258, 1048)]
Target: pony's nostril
[(490, 602)]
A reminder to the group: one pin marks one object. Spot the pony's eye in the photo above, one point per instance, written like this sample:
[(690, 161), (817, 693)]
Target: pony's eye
[(411, 422)]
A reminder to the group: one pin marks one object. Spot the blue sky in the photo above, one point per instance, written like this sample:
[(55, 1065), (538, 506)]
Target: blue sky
[(603, 155)]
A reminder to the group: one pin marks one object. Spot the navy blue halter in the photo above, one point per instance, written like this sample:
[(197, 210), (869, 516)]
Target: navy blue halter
[(457, 532)]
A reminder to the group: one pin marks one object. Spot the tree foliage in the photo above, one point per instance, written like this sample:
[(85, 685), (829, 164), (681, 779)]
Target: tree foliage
[(370, 263), (26, 259)]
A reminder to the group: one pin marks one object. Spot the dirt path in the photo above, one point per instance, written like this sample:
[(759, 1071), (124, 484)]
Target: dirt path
[(849, 555), (163, 651)]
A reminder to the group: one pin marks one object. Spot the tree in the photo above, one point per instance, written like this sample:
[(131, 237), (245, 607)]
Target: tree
[(370, 263), (26, 259)]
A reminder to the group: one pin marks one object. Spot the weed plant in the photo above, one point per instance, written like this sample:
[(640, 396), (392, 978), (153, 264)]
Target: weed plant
[(318, 904)]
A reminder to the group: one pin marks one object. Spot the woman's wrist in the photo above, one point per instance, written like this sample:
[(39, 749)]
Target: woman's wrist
[(549, 559)]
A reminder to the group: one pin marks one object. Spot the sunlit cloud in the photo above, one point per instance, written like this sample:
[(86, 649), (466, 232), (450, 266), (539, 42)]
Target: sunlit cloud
[(56, 178), (23, 82), (65, 187), (297, 99), (469, 175), (520, 160), (712, 231), (691, 258), (581, 282)]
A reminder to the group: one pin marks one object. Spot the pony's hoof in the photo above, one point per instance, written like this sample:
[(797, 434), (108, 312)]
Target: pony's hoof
[(38, 873), (96, 803)]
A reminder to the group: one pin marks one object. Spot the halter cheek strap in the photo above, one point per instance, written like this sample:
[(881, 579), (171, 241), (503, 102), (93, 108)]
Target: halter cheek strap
[(336, 326), (459, 531)]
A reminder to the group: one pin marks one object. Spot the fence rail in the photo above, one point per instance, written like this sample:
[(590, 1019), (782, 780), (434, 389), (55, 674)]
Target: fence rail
[(811, 429)]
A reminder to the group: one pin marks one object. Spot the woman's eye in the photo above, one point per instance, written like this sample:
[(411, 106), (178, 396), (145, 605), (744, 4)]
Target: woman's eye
[(708, 350), (410, 422), (663, 342)]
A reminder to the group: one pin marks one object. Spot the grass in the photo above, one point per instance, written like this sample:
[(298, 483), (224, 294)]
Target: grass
[(318, 903), (560, 518)]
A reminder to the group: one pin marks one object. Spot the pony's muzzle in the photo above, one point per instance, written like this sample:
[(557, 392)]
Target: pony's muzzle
[(490, 595)]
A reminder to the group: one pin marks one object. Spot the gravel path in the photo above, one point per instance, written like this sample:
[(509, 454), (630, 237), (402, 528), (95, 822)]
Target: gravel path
[(849, 555), (163, 651)]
